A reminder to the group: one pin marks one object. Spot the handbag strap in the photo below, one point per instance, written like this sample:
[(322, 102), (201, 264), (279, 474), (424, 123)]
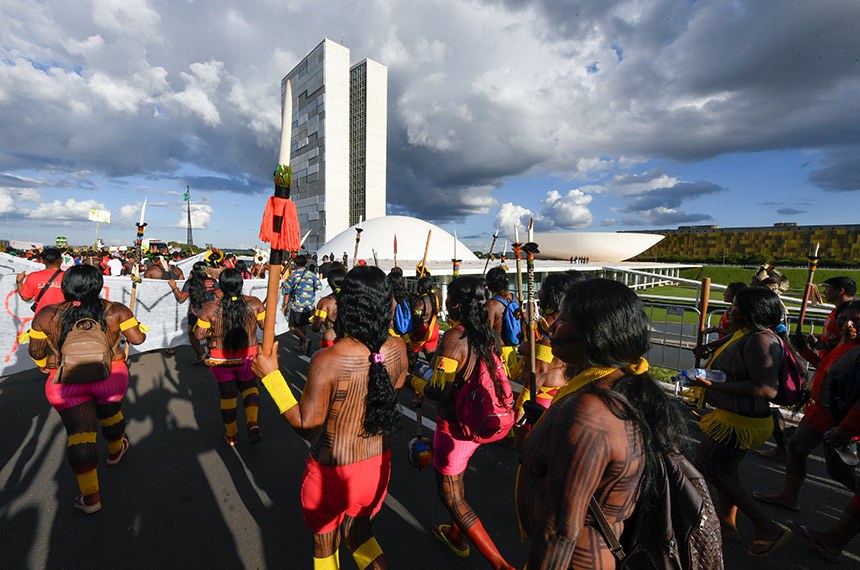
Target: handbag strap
[(605, 529), (47, 285)]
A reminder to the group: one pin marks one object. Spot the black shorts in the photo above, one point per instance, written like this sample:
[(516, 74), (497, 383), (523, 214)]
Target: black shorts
[(300, 319)]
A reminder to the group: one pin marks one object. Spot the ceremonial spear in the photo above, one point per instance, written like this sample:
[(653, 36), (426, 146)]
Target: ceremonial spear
[(807, 293), (135, 268), (358, 230), (531, 248), (490, 253), (518, 254), (455, 261), (395, 250), (424, 259), (280, 225)]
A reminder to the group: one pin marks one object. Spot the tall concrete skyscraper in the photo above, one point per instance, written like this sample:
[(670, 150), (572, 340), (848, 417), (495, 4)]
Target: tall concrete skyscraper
[(339, 141)]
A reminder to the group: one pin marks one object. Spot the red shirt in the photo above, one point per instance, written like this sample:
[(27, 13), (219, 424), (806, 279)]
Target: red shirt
[(830, 333), (36, 281)]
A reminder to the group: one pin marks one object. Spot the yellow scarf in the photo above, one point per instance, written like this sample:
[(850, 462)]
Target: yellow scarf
[(594, 373)]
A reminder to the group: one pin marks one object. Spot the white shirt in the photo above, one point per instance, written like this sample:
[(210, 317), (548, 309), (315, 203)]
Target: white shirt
[(115, 266)]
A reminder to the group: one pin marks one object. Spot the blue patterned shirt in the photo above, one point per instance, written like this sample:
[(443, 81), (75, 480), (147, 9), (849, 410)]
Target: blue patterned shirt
[(301, 287)]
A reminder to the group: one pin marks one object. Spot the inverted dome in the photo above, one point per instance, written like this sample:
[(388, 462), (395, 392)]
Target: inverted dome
[(378, 235), (596, 246)]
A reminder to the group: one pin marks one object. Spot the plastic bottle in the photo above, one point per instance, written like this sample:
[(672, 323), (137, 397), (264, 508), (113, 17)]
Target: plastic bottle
[(706, 373), (424, 371)]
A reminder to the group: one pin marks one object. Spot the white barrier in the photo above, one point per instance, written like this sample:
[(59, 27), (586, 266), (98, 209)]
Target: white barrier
[(155, 306)]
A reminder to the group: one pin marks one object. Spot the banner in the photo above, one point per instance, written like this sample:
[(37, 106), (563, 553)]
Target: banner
[(12, 265), (155, 306), (99, 216)]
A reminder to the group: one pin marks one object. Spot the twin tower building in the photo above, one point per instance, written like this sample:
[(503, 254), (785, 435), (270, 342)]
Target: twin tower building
[(339, 141)]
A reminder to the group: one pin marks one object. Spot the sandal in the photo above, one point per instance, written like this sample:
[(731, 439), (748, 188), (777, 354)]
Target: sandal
[(82, 505), (114, 459), (769, 546), (806, 536), (440, 532), (254, 436)]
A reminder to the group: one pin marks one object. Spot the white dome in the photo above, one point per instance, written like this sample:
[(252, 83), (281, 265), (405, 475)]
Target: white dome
[(378, 235)]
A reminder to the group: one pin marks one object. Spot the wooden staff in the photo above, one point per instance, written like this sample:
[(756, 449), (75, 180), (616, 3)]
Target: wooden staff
[(424, 259), (358, 230), (395, 250), (490, 253), (813, 265), (518, 254), (531, 249), (375, 259), (703, 315)]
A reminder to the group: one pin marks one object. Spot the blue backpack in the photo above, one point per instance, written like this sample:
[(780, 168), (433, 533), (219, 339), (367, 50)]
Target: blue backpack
[(403, 317), (512, 326)]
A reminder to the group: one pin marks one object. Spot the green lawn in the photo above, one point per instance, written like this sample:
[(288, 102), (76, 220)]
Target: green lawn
[(797, 275)]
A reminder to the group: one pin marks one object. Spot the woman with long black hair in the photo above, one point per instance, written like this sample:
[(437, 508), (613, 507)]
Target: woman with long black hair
[(201, 289), (588, 443), (231, 325), (348, 412), (81, 405), (468, 347), (425, 329)]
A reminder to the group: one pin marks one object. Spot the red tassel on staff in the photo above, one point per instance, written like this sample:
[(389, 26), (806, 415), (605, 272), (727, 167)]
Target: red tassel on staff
[(280, 226)]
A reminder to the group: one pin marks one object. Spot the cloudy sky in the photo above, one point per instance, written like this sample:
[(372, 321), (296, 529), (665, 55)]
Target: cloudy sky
[(582, 114)]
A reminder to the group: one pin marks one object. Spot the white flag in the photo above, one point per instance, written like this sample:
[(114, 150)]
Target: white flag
[(99, 216)]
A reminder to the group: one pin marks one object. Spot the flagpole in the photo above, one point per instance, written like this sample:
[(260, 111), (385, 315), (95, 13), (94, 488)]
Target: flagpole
[(188, 203)]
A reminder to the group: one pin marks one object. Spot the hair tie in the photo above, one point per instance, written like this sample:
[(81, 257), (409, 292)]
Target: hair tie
[(234, 298), (780, 329), (638, 367), (76, 303), (377, 357)]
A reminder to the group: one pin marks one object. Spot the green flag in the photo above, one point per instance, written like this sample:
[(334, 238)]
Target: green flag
[(187, 196)]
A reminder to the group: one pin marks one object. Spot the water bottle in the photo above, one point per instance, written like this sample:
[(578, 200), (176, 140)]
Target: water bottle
[(424, 371), (706, 373), (848, 453)]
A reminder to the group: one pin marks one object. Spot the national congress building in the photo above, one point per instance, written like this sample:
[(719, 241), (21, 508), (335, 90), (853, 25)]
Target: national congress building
[(339, 140)]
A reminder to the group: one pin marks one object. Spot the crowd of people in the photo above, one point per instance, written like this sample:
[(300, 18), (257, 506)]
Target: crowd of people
[(594, 430)]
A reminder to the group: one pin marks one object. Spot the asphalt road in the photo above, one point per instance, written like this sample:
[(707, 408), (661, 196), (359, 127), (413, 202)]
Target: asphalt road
[(181, 498)]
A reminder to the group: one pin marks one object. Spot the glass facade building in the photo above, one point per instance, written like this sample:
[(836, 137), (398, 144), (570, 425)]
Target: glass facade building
[(338, 146)]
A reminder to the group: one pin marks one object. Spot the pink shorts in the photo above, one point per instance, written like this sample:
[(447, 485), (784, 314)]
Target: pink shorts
[(239, 373), (109, 390), (451, 455), (329, 492)]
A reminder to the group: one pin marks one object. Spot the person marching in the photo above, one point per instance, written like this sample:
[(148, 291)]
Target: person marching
[(465, 349), (348, 412), (401, 306), (502, 299), (325, 314), (80, 405), (201, 289), (230, 325), (299, 291), (550, 371), (44, 285), (425, 329)]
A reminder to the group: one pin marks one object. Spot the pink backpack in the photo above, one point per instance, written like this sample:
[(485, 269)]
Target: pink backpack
[(485, 404), (791, 380)]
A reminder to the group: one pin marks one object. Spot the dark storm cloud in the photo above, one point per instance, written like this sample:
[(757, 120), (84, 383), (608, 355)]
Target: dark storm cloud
[(671, 197)]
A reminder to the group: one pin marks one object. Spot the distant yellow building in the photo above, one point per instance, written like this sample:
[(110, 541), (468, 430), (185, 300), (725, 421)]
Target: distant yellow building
[(784, 240)]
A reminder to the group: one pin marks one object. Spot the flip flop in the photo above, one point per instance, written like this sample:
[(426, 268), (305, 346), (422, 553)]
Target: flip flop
[(439, 533), (772, 500), (805, 535), (772, 545)]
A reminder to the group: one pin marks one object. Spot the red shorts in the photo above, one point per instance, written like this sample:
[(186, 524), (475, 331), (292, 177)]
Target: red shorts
[(109, 390), (331, 491), (431, 343), (241, 372)]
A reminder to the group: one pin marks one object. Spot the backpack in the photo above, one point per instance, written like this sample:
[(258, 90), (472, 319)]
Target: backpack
[(680, 532), (403, 317), (791, 379), (512, 326), (484, 404), (85, 355)]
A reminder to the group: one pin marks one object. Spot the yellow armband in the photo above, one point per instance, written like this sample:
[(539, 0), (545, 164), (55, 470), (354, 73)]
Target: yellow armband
[(261, 315), (543, 352), (320, 313), (392, 332), (444, 372), (128, 323), (203, 324), (41, 362), (419, 384), (36, 334), (279, 391)]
